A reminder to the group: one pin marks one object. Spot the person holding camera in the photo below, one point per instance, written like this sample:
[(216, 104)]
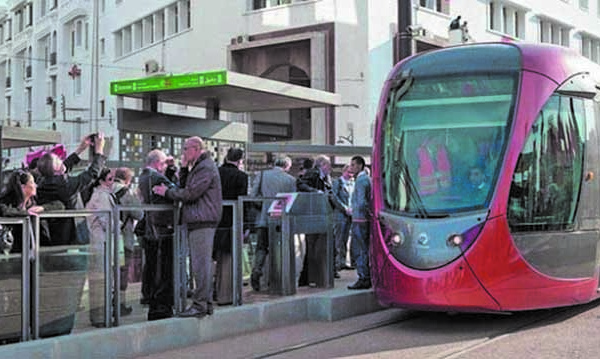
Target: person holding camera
[(55, 184)]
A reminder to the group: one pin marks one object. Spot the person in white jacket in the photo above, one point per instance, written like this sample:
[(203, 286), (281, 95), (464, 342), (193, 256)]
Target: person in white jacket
[(102, 199)]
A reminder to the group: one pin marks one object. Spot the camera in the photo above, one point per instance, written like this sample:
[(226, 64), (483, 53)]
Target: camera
[(93, 137)]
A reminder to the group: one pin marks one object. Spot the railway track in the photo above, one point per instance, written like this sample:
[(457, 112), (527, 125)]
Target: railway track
[(407, 326)]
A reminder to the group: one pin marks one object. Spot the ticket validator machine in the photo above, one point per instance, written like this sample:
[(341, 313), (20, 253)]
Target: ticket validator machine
[(295, 214)]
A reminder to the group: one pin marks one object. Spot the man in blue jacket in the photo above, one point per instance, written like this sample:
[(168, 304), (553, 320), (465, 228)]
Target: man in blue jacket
[(361, 221)]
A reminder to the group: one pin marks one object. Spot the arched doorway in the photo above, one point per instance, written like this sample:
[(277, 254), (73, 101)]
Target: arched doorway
[(284, 125)]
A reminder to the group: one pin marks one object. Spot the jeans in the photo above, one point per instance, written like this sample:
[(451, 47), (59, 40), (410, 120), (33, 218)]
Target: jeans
[(341, 232)]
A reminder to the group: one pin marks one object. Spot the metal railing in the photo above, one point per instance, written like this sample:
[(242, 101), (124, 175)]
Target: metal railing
[(31, 271)]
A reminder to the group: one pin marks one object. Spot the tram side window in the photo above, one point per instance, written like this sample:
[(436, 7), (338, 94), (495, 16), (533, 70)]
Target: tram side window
[(546, 183)]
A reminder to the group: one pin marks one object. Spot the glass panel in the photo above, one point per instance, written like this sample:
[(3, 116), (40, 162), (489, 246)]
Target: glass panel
[(546, 183), (443, 139), (10, 284)]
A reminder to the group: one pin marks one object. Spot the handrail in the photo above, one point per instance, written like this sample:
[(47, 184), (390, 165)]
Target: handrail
[(30, 308)]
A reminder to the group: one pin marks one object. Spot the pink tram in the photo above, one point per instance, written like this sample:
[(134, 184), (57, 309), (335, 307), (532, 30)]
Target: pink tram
[(486, 180)]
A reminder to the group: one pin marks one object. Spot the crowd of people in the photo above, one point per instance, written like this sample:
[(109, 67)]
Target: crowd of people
[(197, 188)]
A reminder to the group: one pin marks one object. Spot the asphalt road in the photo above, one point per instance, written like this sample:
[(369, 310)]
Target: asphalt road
[(558, 333)]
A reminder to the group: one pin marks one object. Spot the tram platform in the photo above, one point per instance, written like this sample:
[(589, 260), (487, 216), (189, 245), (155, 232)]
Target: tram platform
[(137, 337)]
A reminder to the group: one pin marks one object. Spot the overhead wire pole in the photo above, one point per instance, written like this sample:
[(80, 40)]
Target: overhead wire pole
[(94, 90), (404, 42)]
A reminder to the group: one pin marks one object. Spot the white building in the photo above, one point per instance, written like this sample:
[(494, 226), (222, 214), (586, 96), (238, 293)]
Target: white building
[(47, 56)]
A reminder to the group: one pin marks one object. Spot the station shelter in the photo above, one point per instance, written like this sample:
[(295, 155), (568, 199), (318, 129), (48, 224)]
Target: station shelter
[(216, 91)]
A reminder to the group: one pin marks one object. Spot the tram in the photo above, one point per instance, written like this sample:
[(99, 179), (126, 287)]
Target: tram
[(486, 180)]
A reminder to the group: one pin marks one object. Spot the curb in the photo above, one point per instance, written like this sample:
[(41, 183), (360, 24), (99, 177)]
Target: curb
[(154, 337)]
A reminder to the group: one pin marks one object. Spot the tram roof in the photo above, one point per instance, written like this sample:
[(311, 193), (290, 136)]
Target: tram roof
[(16, 137), (235, 92)]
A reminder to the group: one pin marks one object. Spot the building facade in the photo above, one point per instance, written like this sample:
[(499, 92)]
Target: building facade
[(58, 57)]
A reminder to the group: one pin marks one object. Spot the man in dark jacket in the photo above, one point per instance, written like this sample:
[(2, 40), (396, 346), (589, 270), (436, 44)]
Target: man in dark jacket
[(202, 208), (234, 183), (268, 184), (157, 276), (317, 180), (54, 184)]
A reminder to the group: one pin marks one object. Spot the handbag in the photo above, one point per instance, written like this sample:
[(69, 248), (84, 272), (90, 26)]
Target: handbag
[(6, 239)]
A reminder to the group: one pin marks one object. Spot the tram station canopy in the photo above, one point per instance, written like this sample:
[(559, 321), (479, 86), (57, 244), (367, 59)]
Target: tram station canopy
[(233, 91), (17, 137)]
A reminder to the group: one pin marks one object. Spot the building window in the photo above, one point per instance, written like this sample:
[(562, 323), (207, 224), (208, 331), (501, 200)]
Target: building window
[(87, 36), (185, 14), (442, 6), (127, 40), (119, 43), (590, 47), (43, 8), (19, 18), (552, 32), (173, 21), (160, 26), (77, 85), (78, 33), (138, 40), (102, 47), (53, 94), (102, 108), (583, 5), (72, 43), (507, 19), (148, 29), (261, 4), (8, 30)]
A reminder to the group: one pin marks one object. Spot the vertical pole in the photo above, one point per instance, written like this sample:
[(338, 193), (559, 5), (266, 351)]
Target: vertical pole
[(30, 282), (94, 69), (404, 48), (115, 238)]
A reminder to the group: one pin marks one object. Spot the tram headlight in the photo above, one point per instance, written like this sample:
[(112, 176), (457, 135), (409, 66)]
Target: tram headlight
[(397, 239), (455, 240)]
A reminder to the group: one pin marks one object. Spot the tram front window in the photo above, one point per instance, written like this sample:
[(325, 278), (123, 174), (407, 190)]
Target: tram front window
[(442, 141)]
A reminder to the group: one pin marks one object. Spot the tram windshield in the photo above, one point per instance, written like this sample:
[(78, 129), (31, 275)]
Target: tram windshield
[(443, 138)]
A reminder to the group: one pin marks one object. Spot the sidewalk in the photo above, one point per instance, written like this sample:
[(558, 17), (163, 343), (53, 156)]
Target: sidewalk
[(136, 337)]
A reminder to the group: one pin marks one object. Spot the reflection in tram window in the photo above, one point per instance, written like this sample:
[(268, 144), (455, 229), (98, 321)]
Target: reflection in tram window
[(546, 183)]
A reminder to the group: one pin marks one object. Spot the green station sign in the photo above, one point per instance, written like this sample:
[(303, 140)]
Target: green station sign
[(169, 82)]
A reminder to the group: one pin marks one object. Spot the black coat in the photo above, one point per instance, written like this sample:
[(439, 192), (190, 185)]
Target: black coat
[(66, 189), (148, 179), (234, 183), (312, 181)]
